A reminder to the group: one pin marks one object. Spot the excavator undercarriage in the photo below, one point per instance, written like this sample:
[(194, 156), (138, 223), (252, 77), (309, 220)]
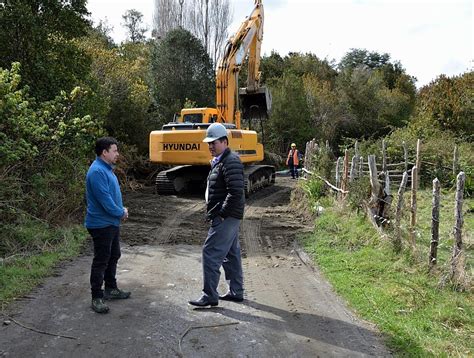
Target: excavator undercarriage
[(192, 179)]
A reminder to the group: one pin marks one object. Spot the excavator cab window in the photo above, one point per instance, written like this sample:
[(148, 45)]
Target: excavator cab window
[(193, 118)]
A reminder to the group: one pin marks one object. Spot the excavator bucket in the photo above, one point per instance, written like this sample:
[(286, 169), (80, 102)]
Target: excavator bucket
[(255, 105)]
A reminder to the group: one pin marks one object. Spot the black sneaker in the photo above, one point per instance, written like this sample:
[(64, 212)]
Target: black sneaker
[(115, 293), (99, 306)]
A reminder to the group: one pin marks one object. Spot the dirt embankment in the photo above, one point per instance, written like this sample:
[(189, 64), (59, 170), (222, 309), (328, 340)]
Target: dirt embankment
[(289, 309)]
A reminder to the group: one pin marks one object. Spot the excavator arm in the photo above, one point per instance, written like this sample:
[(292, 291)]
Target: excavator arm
[(255, 101)]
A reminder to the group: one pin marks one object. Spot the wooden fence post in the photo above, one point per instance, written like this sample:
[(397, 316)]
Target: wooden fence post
[(457, 230), (356, 148), (307, 155), (405, 155), (311, 147), (346, 171), (413, 206), (434, 224), (374, 183), (455, 160), (418, 163), (353, 169), (384, 156), (338, 172), (387, 197), (361, 169), (398, 216)]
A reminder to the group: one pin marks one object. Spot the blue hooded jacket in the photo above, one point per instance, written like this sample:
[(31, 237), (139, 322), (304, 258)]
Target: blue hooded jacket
[(104, 199)]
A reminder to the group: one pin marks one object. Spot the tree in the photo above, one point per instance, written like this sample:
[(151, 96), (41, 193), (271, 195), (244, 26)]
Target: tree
[(369, 108), (391, 72), (181, 70), (290, 118), (133, 22), (447, 103), (40, 35), (168, 15), (303, 64), (375, 95), (207, 20), (119, 83), (271, 66), (324, 108), (361, 57)]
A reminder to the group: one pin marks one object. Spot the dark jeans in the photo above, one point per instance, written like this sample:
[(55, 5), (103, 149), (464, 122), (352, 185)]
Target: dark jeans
[(293, 170), (106, 254)]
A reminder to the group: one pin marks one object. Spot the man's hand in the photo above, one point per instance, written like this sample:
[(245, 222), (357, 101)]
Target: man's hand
[(125, 214)]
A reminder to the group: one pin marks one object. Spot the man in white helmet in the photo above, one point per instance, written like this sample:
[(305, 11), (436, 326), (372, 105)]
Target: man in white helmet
[(225, 209)]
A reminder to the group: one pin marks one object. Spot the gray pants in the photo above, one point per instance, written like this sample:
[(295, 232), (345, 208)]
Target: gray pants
[(222, 248)]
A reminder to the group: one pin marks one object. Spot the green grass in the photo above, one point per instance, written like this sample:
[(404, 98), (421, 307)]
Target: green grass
[(396, 291), (22, 273)]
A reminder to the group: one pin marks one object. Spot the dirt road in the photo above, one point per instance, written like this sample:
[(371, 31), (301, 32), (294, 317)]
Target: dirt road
[(289, 309)]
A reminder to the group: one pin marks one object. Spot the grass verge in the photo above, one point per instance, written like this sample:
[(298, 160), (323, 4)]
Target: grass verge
[(395, 291), (20, 274)]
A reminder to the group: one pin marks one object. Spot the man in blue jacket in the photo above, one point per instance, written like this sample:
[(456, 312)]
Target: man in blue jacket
[(104, 213), (225, 200)]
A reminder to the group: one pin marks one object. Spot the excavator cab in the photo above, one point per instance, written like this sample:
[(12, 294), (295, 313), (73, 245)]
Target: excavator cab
[(255, 104), (198, 115)]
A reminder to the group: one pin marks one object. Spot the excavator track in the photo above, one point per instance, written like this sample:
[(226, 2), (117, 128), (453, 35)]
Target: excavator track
[(258, 177), (181, 179), (191, 178)]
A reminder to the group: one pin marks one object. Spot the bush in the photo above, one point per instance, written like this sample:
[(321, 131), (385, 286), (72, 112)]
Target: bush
[(314, 188), (322, 162), (44, 150)]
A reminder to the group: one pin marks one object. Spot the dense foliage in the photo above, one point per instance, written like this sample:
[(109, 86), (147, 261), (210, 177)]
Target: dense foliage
[(447, 104), (40, 35), (120, 83), (365, 96), (43, 152)]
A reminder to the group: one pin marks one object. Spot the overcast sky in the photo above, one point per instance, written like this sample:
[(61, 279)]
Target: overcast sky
[(429, 38)]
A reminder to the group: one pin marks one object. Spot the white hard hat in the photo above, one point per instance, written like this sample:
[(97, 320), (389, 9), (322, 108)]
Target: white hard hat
[(214, 132)]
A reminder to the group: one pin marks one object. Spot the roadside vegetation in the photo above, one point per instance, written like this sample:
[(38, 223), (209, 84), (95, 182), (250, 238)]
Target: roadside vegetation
[(418, 317), (420, 311), (42, 249)]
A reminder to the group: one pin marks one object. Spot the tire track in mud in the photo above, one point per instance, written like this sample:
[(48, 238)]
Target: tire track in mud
[(157, 220)]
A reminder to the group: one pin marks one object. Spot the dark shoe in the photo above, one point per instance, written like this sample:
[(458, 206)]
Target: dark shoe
[(115, 293), (230, 297), (203, 301), (99, 306)]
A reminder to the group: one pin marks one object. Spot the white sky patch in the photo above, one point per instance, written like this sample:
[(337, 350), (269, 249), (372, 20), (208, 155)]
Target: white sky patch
[(428, 37)]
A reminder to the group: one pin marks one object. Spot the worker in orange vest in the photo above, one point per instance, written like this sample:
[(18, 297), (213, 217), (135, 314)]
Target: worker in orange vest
[(293, 161)]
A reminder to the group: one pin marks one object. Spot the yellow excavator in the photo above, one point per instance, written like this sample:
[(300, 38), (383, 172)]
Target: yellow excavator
[(180, 143)]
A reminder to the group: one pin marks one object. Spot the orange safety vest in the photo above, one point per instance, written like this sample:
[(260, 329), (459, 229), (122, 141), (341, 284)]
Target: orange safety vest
[(295, 155)]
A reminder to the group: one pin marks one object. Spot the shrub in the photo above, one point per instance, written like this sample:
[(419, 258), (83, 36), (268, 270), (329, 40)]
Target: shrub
[(44, 149)]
